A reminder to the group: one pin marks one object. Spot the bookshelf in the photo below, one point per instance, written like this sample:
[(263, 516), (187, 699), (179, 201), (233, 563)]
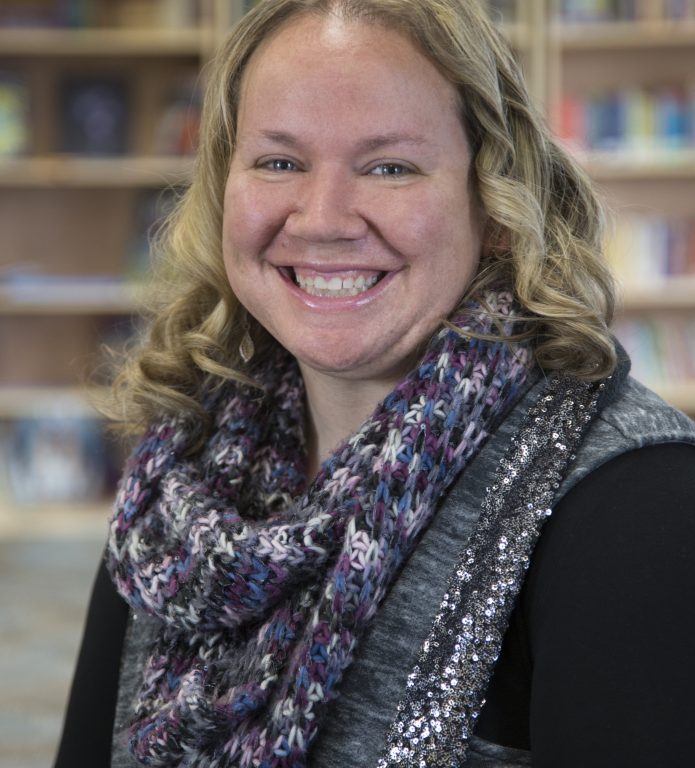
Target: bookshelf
[(73, 223), (622, 95), (74, 217)]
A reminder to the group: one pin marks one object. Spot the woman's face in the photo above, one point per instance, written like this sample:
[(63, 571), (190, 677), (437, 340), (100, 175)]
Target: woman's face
[(350, 229)]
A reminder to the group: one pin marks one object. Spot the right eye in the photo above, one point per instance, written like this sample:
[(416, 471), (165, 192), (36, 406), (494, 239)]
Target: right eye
[(278, 164)]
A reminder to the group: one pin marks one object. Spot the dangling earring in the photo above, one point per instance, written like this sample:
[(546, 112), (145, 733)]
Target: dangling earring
[(246, 346)]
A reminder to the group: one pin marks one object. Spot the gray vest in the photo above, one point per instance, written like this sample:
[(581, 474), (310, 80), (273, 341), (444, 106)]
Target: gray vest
[(354, 732)]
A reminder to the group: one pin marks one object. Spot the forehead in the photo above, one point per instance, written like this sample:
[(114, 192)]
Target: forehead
[(312, 59)]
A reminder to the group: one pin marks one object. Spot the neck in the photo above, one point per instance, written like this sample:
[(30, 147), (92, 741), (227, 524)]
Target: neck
[(335, 409)]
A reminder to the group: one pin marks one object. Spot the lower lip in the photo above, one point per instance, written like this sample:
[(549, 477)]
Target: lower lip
[(338, 303)]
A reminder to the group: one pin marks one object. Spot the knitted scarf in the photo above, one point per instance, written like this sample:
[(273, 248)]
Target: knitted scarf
[(231, 549)]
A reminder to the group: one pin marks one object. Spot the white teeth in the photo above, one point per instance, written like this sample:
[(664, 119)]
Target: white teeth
[(336, 286)]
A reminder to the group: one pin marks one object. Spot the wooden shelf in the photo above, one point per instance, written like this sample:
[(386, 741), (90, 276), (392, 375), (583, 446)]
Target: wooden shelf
[(624, 35), (83, 520), (66, 297), (32, 402), (628, 166), (660, 293), (103, 42), (73, 171)]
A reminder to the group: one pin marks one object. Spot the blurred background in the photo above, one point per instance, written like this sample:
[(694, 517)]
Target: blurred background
[(99, 107)]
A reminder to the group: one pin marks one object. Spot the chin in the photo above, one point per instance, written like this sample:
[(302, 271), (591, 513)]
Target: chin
[(366, 369), (348, 367)]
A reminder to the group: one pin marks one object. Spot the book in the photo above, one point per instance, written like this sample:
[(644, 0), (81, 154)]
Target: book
[(179, 123), (29, 13), (94, 116), (636, 119), (647, 248), (55, 459), (662, 348), (14, 115), (602, 11)]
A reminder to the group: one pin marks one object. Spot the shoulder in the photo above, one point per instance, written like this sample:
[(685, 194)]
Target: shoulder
[(627, 506), (606, 610), (634, 418), (640, 417), (638, 504)]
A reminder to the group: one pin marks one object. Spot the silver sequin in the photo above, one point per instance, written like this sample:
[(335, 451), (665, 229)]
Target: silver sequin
[(444, 692)]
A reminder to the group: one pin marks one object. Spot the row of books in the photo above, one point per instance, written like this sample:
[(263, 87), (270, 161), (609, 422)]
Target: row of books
[(662, 349), (635, 119), (95, 117), (642, 248), (79, 14), (56, 459), (573, 11)]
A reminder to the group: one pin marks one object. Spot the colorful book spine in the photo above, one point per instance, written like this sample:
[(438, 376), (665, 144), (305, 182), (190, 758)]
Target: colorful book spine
[(642, 249), (634, 119), (55, 459), (14, 116), (662, 349)]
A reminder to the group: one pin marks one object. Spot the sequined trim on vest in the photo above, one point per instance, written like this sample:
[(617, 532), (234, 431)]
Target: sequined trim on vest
[(444, 693)]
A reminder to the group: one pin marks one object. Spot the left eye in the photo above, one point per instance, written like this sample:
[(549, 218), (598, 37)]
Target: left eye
[(390, 170), (279, 164)]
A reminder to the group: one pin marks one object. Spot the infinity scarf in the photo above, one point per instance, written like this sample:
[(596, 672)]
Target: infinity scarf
[(230, 549)]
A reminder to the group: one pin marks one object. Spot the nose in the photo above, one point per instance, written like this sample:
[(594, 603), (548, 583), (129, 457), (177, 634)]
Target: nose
[(326, 208)]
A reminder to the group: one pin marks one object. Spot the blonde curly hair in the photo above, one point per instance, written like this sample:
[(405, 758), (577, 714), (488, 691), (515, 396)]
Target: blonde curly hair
[(543, 237)]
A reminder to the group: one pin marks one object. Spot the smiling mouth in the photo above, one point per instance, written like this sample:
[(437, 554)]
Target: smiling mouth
[(335, 285)]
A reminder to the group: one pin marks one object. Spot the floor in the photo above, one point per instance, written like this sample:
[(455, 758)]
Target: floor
[(45, 582)]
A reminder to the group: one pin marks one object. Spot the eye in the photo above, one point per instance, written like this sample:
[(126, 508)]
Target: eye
[(390, 170), (278, 164)]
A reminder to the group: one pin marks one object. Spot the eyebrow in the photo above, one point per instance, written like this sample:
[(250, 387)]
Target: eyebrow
[(368, 144)]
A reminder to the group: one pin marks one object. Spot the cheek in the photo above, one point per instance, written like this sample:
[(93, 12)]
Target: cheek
[(450, 251), (460, 229), (250, 220), (438, 228)]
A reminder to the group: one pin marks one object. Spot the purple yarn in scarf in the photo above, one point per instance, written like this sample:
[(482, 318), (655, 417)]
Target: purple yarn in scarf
[(230, 549)]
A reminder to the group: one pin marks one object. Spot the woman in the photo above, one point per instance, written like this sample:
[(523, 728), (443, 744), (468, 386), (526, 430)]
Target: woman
[(383, 360)]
